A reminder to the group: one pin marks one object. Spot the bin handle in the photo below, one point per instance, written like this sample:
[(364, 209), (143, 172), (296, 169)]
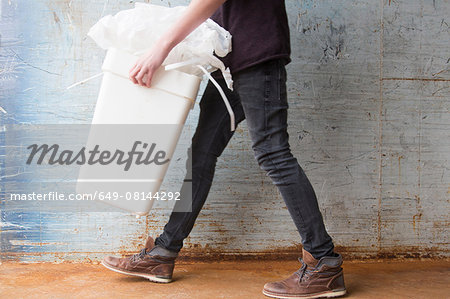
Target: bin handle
[(85, 80), (219, 89), (178, 65), (224, 97)]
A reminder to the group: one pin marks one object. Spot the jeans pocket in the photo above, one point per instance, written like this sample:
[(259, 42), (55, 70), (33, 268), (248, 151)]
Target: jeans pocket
[(267, 87), (275, 85)]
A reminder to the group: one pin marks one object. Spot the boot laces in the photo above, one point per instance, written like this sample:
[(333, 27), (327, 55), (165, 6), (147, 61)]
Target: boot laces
[(139, 256), (304, 273)]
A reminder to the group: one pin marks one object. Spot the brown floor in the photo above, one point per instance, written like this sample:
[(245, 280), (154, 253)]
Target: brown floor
[(391, 279)]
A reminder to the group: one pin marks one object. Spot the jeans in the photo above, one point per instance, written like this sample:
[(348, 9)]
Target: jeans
[(260, 97)]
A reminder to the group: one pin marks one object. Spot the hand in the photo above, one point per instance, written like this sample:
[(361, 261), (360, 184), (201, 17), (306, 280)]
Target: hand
[(144, 69), (196, 13)]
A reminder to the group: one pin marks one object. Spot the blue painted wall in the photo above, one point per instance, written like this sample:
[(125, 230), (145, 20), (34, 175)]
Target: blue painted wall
[(369, 122)]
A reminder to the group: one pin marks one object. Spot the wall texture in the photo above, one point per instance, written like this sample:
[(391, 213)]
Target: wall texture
[(369, 122)]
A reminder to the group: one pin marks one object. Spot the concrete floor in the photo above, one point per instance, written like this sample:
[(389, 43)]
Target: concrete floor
[(378, 279)]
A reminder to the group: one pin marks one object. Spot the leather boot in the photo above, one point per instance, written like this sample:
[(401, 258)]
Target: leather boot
[(315, 279), (155, 268)]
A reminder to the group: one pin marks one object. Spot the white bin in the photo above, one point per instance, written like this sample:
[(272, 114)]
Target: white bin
[(168, 101)]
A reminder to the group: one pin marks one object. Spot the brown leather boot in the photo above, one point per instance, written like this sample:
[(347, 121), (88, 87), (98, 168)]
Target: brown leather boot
[(155, 268), (315, 279)]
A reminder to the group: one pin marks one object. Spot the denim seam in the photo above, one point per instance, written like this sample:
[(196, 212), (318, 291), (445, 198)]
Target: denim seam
[(265, 128), (265, 133), (208, 150)]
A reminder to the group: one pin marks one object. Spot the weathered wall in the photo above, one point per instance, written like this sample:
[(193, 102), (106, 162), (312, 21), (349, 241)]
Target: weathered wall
[(369, 122)]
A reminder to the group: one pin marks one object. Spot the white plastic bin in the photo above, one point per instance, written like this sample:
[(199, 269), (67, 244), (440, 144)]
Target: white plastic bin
[(120, 102), (168, 101)]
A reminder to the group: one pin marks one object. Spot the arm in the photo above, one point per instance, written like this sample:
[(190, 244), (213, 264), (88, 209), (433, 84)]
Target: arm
[(197, 12)]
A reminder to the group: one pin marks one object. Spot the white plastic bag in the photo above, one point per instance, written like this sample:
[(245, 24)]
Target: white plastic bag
[(136, 30)]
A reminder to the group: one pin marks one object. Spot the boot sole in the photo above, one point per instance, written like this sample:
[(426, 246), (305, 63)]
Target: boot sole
[(328, 294), (152, 278)]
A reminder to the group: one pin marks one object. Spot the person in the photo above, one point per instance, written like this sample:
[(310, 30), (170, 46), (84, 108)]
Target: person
[(260, 51)]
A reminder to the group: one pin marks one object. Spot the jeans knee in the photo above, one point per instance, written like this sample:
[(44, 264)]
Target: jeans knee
[(204, 164), (278, 163)]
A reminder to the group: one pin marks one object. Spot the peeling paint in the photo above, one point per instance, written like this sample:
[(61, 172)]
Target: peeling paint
[(8, 224), (29, 243)]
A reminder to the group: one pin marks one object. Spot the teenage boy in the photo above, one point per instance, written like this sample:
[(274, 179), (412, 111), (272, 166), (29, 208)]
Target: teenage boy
[(261, 49)]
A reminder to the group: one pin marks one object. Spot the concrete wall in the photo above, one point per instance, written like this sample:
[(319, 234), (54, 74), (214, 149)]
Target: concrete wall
[(369, 122)]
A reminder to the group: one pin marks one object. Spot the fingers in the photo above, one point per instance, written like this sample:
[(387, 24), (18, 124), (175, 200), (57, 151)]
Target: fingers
[(142, 71), (132, 69), (140, 76), (133, 72), (148, 79)]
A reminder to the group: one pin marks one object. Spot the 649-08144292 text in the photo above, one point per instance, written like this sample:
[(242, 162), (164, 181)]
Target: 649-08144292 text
[(102, 195)]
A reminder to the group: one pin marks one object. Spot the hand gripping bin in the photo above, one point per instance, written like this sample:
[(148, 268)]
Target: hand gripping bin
[(122, 104)]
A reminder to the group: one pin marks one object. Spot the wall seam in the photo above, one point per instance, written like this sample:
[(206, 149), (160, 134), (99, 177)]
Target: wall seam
[(380, 129)]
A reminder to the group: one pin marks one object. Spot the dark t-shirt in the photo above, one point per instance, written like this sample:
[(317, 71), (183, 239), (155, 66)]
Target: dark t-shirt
[(259, 29)]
